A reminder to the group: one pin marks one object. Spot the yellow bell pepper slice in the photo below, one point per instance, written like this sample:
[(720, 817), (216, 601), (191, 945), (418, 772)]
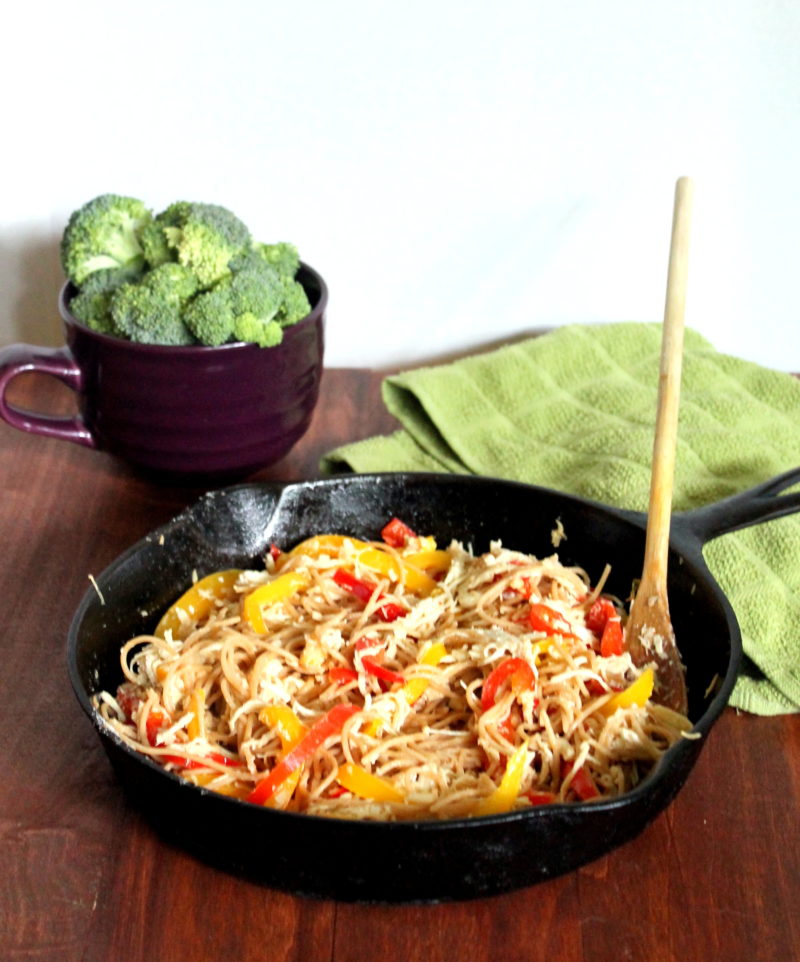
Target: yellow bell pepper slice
[(291, 732), (540, 649), (388, 565), (204, 778), (436, 561), (505, 795), (636, 693), (283, 720), (198, 601), (320, 544), (284, 586), (197, 705), (366, 785), (414, 688), (427, 542)]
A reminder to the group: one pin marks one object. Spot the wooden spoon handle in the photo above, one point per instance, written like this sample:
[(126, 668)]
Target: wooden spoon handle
[(663, 471)]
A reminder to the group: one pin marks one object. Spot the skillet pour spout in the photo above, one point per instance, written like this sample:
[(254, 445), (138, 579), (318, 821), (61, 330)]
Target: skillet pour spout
[(422, 860)]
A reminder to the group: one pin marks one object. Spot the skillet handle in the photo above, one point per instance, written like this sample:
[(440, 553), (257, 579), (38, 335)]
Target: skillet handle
[(764, 502)]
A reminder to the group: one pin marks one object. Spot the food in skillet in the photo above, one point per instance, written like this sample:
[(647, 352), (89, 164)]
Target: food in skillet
[(394, 680)]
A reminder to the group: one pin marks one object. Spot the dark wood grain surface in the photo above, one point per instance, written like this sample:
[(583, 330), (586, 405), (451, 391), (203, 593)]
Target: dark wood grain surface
[(83, 878)]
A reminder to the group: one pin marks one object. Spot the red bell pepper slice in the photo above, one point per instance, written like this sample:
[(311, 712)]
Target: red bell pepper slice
[(372, 666), (375, 668), (128, 700), (543, 618), (517, 670), (612, 641), (194, 763), (155, 722), (540, 798), (581, 783), (330, 724), (341, 675), (397, 533), (391, 611), (597, 616), (363, 590), (363, 644), (595, 687)]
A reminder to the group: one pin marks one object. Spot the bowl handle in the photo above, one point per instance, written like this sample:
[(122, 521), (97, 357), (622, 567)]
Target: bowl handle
[(764, 502), (58, 362)]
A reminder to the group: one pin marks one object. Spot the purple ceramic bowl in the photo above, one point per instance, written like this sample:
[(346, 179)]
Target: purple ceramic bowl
[(191, 411)]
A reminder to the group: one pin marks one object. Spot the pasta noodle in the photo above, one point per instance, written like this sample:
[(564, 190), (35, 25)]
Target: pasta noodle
[(394, 679)]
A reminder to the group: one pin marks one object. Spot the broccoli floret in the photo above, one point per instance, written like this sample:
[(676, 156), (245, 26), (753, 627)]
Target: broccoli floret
[(94, 309), (254, 330), (283, 257), (150, 311), (92, 304), (203, 237), (108, 279), (154, 245), (294, 302), (174, 281), (248, 259), (143, 316), (256, 289), (257, 296), (103, 234), (244, 306), (263, 289), (285, 260), (209, 315)]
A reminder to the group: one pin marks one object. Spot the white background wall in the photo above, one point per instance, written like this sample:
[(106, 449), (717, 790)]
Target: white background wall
[(459, 171)]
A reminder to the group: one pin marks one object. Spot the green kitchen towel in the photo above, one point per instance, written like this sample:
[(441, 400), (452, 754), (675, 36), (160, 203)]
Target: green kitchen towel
[(574, 410)]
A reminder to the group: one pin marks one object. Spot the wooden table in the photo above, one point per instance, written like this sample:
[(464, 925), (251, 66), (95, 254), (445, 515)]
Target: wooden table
[(83, 877)]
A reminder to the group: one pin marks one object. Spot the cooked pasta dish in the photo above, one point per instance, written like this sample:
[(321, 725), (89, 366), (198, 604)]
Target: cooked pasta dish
[(394, 679)]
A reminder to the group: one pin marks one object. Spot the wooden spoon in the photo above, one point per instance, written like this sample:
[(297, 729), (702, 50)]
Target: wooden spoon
[(649, 635)]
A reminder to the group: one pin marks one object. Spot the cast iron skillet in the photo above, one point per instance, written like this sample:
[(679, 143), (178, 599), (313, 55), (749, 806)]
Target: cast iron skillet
[(424, 860)]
